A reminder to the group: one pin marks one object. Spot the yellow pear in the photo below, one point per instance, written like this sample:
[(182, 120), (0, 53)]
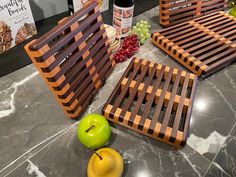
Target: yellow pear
[(106, 162)]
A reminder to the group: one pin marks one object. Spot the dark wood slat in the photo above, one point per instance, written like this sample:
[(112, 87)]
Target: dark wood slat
[(160, 103), (171, 103), (196, 40), (134, 91), (53, 33), (189, 111), (71, 72), (213, 55), (65, 52), (151, 98), (80, 86), (70, 36), (118, 86), (185, 36), (81, 76), (182, 33), (143, 94), (230, 58), (227, 26), (180, 107), (120, 99)]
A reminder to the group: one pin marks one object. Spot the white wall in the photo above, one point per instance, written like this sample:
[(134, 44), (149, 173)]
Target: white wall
[(46, 8)]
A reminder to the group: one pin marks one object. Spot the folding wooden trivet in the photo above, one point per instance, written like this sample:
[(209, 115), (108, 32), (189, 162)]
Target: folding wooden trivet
[(74, 58), (177, 11), (155, 100), (203, 45)]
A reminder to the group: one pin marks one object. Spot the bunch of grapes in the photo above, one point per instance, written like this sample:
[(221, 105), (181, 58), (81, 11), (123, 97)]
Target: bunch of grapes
[(128, 48), (142, 29)]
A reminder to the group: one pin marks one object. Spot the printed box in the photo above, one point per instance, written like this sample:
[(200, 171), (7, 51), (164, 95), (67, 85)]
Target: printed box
[(16, 23)]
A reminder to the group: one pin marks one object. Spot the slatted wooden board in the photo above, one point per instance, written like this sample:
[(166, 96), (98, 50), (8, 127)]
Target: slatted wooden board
[(155, 100), (74, 58), (177, 11), (203, 45)]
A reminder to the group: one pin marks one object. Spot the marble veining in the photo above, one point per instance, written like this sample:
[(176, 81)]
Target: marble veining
[(37, 139), (224, 163), (223, 97), (211, 144), (219, 167), (7, 102), (33, 169), (231, 80), (194, 167)]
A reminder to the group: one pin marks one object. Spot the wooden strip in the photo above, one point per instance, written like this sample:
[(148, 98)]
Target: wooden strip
[(215, 55), (181, 33), (124, 92), (141, 98), (64, 53), (221, 63), (229, 26), (180, 108), (197, 48), (171, 104), (53, 33), (118, 86), (149, 91), (196, 40), (161, 100), (185, 36), (189, 111), (83, 75), (81, 85), (134, 91), (151, 99)]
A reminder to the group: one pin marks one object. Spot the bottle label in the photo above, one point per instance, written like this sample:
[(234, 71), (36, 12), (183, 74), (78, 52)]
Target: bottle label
[(122, 19)]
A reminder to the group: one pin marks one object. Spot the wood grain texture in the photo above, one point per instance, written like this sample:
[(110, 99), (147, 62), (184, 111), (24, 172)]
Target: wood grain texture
[(74, 59), (203, 45), (173, 12), (155, 100)]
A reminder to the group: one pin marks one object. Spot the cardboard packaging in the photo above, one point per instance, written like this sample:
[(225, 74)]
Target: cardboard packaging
[(16, 23)]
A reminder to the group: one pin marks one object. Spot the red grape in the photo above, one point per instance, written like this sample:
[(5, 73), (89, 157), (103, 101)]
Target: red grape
[(128, 48)]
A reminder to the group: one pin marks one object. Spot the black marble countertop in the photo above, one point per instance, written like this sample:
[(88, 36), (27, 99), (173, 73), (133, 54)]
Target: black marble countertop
[(37, 139)]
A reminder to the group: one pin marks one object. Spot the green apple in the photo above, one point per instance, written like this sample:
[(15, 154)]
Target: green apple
[(233, 11), (94, 131)]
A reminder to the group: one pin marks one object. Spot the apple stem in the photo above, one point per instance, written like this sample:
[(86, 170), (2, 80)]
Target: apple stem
[(98, 155), (89, 128)]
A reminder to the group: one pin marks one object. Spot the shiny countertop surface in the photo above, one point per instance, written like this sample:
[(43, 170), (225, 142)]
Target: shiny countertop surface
[(37, 139)]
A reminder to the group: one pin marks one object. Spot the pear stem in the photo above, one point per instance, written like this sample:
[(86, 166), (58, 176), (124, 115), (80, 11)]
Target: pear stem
[(98, 155), (89, 128)]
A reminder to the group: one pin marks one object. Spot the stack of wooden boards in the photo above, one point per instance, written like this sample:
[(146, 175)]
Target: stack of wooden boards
[(74, 58)]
